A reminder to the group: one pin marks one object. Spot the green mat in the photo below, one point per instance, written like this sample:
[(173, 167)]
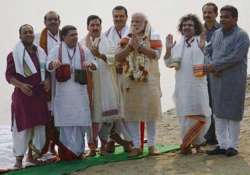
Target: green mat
[(67, 167)]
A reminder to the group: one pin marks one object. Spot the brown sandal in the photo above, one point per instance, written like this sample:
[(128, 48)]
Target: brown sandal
[(153, 151), (110, 147), (135, 152), (91, 153)]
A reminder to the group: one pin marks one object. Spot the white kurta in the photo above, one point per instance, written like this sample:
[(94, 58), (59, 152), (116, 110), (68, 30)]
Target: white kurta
[(71, 101), (191, 93), (113, 35), (51, 43), (105, 90)]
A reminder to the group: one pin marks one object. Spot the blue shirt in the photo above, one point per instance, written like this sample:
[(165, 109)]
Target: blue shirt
[(209, 32), (227, 52)]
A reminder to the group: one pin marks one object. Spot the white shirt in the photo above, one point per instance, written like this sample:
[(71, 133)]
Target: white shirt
[(52, 41), (115, 36)]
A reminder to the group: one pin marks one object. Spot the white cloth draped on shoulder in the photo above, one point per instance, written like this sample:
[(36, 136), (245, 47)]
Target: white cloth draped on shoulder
[(108, 87), (76, 61), (21, 55), (71, 101), (115, 36), (105, 90)]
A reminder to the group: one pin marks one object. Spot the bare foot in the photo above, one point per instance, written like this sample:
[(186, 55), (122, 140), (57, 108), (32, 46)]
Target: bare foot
[(18, 165), (199, 150), (35, 161), (53, 151), (83, 156), (186, 151), (128, 147), (153, 151), (19, 162), (91, 153), (110, 147), (103, 152)]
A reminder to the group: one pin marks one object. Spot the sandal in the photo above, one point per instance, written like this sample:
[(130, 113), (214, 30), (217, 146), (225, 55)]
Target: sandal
[(135, 152)]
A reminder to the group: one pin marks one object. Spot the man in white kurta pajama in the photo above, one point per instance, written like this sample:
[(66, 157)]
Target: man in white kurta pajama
[(139, 52), (106, 102), (115, 33), (48, 39), (71, 104), (191, 93)]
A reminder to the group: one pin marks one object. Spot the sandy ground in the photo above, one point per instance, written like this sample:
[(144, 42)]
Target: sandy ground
[(176, 164)]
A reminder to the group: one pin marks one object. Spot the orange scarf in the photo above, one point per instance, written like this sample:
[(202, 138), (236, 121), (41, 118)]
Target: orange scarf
[(44, 40), (89, 76)]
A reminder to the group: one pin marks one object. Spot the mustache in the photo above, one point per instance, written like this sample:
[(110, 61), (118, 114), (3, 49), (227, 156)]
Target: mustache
[(186, 29), (207, 17), (53, 24)]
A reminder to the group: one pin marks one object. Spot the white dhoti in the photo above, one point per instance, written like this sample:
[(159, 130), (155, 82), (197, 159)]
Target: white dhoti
[(72, 137), (22, 139), (227, 132)]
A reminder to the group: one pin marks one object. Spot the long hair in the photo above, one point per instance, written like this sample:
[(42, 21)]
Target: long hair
[(197, 24)]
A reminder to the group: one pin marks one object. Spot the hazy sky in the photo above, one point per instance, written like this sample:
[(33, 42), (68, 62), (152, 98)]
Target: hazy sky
[(164, 16)]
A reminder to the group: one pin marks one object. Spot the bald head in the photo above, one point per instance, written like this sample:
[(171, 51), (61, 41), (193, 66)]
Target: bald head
[(138, 22), (51, 13), (26, 34), (52, 22)]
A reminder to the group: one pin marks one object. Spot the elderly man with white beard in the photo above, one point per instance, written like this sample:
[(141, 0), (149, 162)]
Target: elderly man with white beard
[(139, 51)]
